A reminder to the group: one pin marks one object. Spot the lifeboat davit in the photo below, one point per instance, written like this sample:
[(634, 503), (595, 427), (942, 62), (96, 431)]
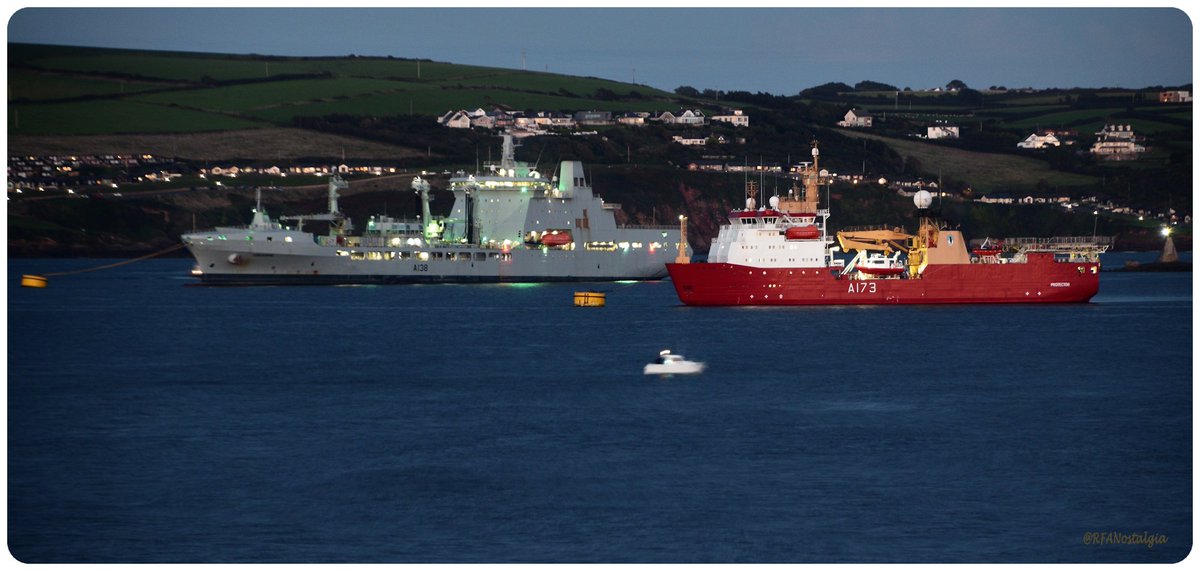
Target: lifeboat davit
[(556, 238), (807, 232)]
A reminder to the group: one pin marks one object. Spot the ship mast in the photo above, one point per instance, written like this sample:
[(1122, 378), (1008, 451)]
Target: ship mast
[(428, 229), (811, 175), (812, 181), (338, 225), (926, 238), (682, 258), (508, 155)]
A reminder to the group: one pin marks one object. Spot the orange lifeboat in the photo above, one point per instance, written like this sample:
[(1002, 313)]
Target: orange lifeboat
[(807, 232), (880, 271), (556, 237)]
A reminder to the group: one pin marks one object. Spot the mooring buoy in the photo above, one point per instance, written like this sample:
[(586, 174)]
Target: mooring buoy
[(28, 280)]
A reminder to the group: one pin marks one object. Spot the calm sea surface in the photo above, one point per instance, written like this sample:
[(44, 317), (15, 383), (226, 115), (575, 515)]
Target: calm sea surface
[(150, 421)]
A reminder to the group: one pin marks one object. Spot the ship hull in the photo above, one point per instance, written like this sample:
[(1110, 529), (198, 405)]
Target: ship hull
[(383, 279), (1039, 280), (238, 262)]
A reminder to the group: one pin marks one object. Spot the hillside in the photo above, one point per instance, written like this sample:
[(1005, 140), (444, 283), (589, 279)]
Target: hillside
[(197, 110), (269, 143), (58, 90)]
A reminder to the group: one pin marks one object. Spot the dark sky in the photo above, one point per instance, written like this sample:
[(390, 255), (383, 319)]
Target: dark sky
[(777, 50)]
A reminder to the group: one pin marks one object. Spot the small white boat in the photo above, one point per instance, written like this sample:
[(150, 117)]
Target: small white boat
[(668, 363)]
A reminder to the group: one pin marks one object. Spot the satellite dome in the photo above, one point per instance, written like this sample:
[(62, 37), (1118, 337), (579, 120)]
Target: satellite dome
[(923, 199), (774, 202)]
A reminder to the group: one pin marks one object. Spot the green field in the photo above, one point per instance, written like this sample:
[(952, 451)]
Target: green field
[(532, 81), (1075, 117), (1091, 121), (1025, 100), (1006, 111), (992, 172), (115, 116), (48, 87), (244, 98)]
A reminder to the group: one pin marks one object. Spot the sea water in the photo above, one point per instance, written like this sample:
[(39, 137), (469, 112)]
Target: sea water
[(153, 421)]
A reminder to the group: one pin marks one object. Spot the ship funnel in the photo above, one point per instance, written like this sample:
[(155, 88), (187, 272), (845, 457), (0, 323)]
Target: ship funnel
[(572, 176)]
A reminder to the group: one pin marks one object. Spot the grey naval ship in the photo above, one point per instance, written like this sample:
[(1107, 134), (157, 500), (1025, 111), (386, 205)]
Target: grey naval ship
[(511, 224)]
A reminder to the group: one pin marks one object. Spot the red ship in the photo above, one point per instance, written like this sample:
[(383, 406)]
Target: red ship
[(782, 255)]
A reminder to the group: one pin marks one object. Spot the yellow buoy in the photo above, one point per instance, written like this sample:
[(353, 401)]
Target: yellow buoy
[(32, 281), (589, 299), (29, 280)]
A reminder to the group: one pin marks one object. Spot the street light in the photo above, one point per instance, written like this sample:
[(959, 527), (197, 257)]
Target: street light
[(1095, 220)]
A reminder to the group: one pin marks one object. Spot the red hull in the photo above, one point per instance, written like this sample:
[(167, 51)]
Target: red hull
[(1040, 279)]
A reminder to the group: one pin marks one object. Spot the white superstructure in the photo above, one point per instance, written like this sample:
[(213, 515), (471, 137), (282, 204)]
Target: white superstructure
[(788, 233)]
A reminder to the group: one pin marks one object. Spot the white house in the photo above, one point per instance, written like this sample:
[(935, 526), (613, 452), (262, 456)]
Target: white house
[(561, 120), (485, 121), (690, 117), (1116, 142), (690, 140), (942, 132), (633, 118), (734, 117), (856, 118), (996, 199), (456, 120), (1175, 97), (1036, 141), (553, 119)]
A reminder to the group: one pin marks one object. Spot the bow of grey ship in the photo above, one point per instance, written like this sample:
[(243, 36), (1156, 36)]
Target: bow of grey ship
[(511, 224)]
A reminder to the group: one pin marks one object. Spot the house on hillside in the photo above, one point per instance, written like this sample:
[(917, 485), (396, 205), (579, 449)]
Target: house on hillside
[(734, 117), (1175, 97), (856, 118), (594, 117), (666, 117), (456, 120), (709, 166), (502, 119), (545, 119), (484, 121), (942, 132), (1117, 142), (996, 199), (690, 117), (692, 140), (633, 118), (1039, 141)]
